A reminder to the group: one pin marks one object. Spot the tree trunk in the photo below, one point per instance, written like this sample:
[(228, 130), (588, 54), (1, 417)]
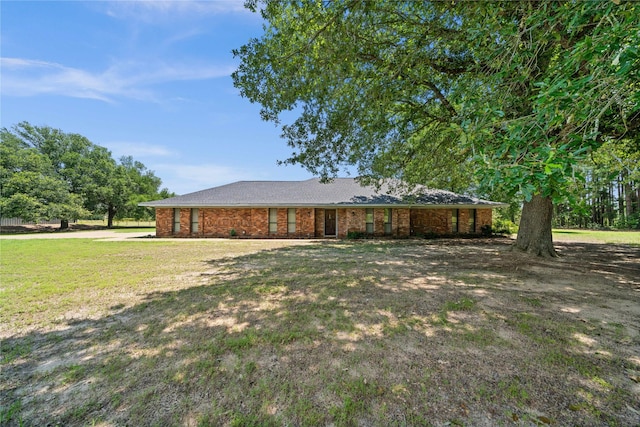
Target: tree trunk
[(64, 224), (111, 212), (620, 214), (534, 233), (628, 200)]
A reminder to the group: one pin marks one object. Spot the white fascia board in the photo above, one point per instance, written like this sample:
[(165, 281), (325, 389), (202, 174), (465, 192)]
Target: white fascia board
[(320, 206)]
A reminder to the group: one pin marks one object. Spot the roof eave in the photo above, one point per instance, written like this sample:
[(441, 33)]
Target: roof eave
[(327, 205)]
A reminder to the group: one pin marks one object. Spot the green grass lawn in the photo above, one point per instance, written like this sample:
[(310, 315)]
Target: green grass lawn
[(150, 230), (270, 333), (42, 280), (118, 223), (597, 236)]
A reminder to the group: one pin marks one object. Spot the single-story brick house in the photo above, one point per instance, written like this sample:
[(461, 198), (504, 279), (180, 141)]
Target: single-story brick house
[(312, 209)]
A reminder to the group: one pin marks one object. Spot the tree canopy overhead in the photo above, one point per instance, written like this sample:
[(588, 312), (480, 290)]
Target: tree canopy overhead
[(505, 95)]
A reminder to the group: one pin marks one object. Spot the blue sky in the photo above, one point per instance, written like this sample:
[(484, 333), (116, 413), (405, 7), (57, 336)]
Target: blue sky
[(150, 79)]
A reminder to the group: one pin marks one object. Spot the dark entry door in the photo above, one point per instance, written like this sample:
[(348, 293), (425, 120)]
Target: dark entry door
[(329, 222)]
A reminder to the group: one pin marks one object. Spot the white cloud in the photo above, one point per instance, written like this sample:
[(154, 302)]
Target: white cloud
[(137, 149), (187, 178), (153, 10), (27, 77), (184, 178)]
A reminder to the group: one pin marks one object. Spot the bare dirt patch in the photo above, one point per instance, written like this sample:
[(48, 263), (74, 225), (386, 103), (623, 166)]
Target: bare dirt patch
[(443, 332)]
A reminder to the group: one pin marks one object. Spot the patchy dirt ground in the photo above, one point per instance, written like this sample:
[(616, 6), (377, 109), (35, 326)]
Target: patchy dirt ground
[(442, 332)]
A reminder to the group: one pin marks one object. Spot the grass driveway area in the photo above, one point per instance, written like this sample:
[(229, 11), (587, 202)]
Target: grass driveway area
[(371, 333)]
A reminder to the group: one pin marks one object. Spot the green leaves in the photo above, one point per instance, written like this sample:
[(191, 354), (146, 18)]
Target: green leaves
[(510, 98), (31, 188), (365, 77), (572, 102), (46, 174)]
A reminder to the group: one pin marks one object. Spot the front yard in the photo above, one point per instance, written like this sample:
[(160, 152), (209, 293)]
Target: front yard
[(234, 332)]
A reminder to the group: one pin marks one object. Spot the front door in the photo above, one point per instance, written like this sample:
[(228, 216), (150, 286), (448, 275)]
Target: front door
[(329, 222)]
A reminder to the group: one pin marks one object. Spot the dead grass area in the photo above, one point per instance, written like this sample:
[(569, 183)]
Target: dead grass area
[(375, 333)]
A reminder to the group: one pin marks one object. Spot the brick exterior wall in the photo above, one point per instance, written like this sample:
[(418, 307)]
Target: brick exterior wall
[(305, 222), (430, 221), (403, 221), (439, 221), (354, 220), (483, 217), (219, 222), (318, 224), (343, 221), (164, 218), (254, 222)]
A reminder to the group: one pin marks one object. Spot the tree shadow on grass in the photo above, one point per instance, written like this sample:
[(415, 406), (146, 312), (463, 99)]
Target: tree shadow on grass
[(346, 333)]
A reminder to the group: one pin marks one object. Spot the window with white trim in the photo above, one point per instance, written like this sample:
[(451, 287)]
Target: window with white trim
[(369, 221), (291, 220), (176, 220), (472, 220), (454, 220), (194, 220), (387, 221), (273, 221)]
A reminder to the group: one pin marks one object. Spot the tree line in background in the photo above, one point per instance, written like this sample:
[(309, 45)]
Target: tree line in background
[(605, 192), (609, 194), (47, 174)]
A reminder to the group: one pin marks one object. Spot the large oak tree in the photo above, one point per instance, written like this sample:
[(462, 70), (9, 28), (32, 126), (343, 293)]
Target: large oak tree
[(46, 173), (29, 186), (506, 95)]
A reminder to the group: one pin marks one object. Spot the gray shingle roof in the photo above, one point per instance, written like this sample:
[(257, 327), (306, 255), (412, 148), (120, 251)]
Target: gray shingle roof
[(312, 192)]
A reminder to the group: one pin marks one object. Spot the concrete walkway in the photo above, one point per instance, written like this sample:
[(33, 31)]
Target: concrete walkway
[(108, 235)]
